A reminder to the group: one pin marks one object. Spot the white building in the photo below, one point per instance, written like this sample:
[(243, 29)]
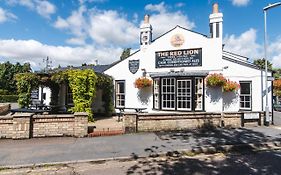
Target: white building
[(178, 63)]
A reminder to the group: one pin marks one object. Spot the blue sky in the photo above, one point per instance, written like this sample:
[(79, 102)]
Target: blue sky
[(72, 32)]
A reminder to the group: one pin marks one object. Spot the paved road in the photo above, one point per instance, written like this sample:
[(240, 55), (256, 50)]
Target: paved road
[(277, 118), (266, 163), (63, 149)]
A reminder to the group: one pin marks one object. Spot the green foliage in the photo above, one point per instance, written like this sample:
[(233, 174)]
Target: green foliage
[(277, 73), (125, 54), (25, 83), (261, 64), (8, 98), (7, 73), (82, 84), (4, 92), (106, 84)]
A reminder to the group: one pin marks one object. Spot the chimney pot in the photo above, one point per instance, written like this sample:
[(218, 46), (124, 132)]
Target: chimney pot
[(146, 19), (215, 8)]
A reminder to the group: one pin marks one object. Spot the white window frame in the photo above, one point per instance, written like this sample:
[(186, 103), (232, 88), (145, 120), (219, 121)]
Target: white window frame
[(244, 96), (156, 92), (166, 93), (120, 96), (184, 96)]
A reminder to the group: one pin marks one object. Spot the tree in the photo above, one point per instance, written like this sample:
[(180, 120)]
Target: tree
[(7, 73), (125, 54), (261, 64)]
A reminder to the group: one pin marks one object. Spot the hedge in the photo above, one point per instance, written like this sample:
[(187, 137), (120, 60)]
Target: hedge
[(8, 98)]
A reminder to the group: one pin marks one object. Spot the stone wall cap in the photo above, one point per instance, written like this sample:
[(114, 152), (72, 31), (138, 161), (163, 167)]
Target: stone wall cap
[(81, 114), (53, 116), (19, 114), (6, 117)]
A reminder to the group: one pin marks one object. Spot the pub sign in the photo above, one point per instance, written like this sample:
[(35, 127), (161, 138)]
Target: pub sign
[(178, 58)]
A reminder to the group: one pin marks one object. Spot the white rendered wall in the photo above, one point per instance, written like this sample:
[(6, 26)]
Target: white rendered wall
[(211, 61), (237, 72)]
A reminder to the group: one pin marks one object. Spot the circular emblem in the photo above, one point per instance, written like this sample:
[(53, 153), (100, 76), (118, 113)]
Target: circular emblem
[(177, 40)]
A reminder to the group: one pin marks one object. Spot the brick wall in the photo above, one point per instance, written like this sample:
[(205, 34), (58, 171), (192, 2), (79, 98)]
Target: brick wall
[(6, 127), (138, 122), (27, 125), (53, 125)]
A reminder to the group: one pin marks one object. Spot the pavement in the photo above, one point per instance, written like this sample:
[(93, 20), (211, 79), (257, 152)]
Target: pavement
[(56, 150)]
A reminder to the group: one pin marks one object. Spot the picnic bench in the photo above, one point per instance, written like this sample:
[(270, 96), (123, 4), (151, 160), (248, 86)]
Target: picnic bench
[(27, 110), (122, 110)]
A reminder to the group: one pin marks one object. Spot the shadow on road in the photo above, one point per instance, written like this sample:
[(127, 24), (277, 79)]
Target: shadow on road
[(238, 163), (217, 136), (255, 163)]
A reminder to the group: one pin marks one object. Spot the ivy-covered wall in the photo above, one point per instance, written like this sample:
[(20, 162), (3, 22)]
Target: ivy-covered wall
[(83, 84)]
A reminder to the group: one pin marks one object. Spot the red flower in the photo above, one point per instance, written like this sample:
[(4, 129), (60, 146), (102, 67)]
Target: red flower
[(230, 86)]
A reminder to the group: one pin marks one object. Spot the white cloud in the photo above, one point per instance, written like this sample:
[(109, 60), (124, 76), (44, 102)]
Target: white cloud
[(161, 25), (245, 44), (161, 8), (180, 4), (6, 16), (274, 50), (110, 28), (35, 51), (75, 24), (45, 8), (42, 7), (159, 20), (240, 2)]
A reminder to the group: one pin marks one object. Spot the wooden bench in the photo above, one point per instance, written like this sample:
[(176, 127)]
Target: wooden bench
[(122, 110)]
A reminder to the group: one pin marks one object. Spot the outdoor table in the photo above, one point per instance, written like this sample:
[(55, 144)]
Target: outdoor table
[(121, 113), (26, 110)]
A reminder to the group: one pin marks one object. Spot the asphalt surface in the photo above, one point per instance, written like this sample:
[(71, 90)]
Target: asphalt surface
[(254, 163), (67, 149)]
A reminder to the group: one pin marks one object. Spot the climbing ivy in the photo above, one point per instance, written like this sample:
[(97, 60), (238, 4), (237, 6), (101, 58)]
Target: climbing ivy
[(82, 84), (25, 83), (105, 83)]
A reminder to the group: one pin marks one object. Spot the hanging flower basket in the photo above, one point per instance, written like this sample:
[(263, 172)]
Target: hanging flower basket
[(143, 82), (215, 80), (230, 86)]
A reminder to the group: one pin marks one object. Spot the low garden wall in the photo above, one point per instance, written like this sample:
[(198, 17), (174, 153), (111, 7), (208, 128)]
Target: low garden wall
[(139, 122), (4, 108), (28, 125)]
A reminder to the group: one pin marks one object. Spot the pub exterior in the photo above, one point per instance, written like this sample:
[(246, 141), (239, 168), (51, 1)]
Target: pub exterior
[(178, 63)]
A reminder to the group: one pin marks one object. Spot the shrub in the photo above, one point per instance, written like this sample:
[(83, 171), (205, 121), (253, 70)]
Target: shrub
[(143, 82), (215, 80), (8, 98), (4, 92), (230, 86)]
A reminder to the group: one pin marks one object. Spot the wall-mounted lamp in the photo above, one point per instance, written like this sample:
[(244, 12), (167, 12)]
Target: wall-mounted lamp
[(143, 72)]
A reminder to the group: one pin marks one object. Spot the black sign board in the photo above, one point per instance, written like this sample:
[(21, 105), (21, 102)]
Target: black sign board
[(178, 58), (35, 94), (134, 66)]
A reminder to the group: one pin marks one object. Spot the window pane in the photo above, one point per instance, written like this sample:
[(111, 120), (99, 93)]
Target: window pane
[(245, 88), (120, 94), (245, 96)]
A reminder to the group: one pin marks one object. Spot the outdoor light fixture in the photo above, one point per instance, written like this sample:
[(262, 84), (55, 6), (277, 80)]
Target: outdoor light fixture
[(270, 6)]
